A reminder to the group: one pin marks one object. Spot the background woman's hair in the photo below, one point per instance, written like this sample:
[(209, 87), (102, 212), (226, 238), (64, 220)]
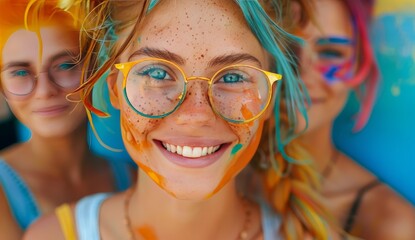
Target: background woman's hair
[(31, 15), (291, 183), (366, 79)]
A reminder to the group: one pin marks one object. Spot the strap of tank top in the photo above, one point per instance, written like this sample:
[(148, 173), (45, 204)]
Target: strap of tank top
[(356, 204), (271, 222), (65, 217), (20, 198), (87, 216)]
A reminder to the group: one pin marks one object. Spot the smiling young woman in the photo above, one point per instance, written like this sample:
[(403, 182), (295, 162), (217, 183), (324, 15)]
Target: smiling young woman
[(336, 60), (199, 86)]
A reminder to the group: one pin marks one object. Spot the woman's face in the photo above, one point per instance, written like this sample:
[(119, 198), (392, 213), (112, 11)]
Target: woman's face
[(201, 37), (328, 60), (45, 109)]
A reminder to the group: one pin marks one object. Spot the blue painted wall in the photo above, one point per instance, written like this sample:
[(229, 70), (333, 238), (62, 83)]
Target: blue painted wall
[(386, 146)]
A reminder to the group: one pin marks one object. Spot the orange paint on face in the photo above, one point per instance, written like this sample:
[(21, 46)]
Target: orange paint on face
[(241, 159), (157, 178), (254, 102), (146, 232), (140, 147), (246, 113)]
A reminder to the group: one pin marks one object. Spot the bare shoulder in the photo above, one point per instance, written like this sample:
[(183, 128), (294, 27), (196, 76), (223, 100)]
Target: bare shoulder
[(8, 224), (45, 228), (391, 215)]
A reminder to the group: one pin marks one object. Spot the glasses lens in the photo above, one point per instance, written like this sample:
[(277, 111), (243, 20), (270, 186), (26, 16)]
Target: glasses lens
[(154, 88), (18, 81), (66, 74), (240, 93)]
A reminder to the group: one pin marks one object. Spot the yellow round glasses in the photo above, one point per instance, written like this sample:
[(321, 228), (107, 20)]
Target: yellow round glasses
[(155, 88)]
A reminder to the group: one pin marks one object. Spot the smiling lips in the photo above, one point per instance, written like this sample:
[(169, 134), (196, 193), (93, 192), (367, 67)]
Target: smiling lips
[(190, 152), (51, 111)]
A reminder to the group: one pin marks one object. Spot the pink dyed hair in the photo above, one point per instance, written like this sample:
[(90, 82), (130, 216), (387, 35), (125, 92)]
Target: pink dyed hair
[(367, 77)]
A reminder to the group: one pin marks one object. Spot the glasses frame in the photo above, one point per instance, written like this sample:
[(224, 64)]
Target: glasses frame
[(35, 82), (126, 67)]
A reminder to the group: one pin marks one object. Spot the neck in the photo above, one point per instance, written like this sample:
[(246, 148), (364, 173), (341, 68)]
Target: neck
[(153, 210), (59, 155), (320, 145)]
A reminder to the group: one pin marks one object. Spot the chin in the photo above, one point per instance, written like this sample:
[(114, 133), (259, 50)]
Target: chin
[(56, 130), (193, 187)]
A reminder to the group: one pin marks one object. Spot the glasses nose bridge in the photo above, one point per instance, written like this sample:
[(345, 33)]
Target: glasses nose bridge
[(193, 78), (48, 76)]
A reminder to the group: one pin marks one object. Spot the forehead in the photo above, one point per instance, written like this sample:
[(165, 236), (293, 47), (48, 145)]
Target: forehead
[(208, 28), (333, 19), (23, 45)]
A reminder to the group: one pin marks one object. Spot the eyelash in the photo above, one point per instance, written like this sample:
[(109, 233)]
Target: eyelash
[(330, 54)]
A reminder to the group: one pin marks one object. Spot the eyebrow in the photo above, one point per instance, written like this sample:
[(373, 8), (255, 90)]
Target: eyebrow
[(225, 59), (335, 40), (15, 64), (158, 53), (233, 58), (65, 53), (55, 57)]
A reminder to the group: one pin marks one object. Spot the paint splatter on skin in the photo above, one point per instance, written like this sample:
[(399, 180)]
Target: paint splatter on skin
[(146, 232), (335, 49), (140, 147), (240, 157), (246, 113), (236, 148)]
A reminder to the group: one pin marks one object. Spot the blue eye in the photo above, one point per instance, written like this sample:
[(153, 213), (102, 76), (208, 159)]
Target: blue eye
[(233, 78), (66, 66), (20, 73), (330, 54), (156, 73)]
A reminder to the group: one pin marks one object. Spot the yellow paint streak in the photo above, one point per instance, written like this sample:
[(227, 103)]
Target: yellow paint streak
[(157, 178)]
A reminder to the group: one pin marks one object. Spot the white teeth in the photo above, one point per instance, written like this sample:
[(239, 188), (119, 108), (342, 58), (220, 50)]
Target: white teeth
[(190, 152), (187, 151), (204, 151), (179, 150), (197, 152)]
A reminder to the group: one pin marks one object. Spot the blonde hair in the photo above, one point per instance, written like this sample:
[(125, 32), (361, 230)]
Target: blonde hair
[(31, 15)]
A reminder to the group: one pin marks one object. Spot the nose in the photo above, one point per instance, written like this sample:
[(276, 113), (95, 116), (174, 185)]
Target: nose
[(45, 87), (196, 108), (310, 74)]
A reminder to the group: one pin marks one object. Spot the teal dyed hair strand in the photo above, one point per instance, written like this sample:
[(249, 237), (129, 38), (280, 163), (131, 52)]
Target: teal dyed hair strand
[(274, 39)]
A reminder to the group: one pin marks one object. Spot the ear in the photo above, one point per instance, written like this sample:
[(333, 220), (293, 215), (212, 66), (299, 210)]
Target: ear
[(296, 12), (301, 12), (113, 88)]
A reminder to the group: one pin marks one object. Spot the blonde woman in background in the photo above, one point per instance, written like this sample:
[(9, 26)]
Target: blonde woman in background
[(40, 64)]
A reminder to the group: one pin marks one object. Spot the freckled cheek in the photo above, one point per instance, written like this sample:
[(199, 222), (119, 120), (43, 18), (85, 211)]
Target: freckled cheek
[(249, 137), (244, 132), (245, 105), (134, 127)]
